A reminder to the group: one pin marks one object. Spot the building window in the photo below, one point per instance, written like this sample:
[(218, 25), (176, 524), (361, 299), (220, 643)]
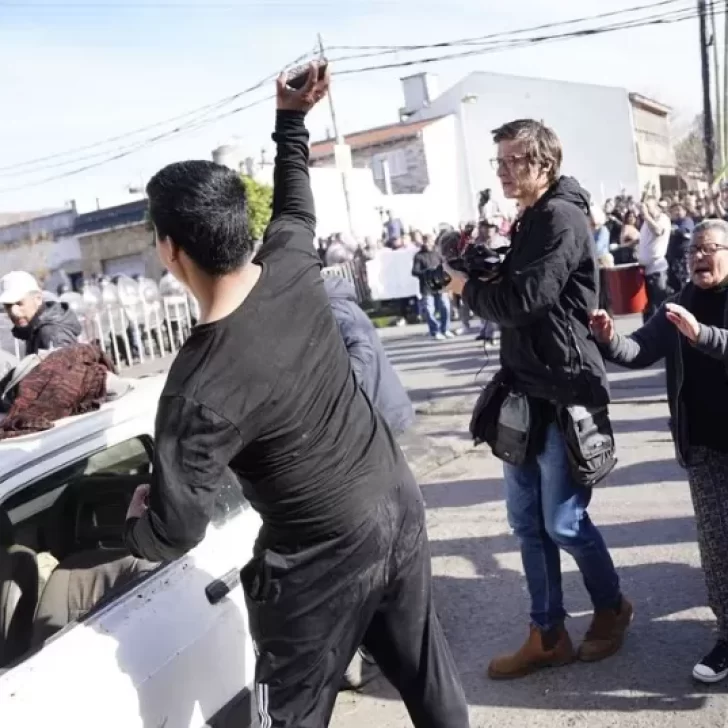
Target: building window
[(397, 161)]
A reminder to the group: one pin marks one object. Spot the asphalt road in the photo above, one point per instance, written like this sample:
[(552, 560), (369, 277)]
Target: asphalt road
[(645, 514)]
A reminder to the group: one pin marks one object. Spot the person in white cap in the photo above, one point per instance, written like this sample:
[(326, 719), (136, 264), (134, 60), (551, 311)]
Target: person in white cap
[(40, 324)]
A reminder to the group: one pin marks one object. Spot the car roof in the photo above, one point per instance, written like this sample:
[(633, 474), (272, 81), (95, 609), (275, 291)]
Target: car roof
[(16, 452)]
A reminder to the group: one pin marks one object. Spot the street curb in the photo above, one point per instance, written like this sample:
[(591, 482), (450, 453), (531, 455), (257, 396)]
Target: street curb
[(435, 455)]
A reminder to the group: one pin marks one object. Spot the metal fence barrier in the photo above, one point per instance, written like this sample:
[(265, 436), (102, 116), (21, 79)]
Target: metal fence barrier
[(355, 272), (133, 321), (138, 320)]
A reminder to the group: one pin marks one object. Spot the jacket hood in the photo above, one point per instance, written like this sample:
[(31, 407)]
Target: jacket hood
[(338, 287), (569, 189), (51, 313)]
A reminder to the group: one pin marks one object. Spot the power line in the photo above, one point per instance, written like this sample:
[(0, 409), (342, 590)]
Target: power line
[(34, 165), (675, 17), (199, 112), (204, 118), (132, 150), (544, 26)]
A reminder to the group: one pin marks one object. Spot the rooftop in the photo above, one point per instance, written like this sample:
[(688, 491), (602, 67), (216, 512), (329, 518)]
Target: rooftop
[(649, 104), (370, 137)]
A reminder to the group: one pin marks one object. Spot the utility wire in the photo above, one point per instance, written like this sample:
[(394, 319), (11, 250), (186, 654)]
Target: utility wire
[(198, 113), (525, 42), (673, 16), (132, 150), (39, 164), (477, 39)]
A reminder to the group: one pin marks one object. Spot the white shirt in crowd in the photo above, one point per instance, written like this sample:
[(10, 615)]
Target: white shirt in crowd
[(652, 247)]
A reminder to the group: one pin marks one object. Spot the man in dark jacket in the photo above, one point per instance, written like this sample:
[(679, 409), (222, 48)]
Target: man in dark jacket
[(372, 369), (542, 302), (433, 303), (41, 324), (691, 333)]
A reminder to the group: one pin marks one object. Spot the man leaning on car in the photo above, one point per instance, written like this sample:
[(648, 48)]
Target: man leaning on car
[(541, 300)]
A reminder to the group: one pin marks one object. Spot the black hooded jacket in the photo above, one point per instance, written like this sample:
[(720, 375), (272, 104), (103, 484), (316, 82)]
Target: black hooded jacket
[(53, 326), (372, 369), (543, 299)]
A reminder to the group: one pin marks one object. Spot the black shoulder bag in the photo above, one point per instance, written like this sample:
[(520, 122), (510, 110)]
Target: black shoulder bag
[(589, 441), (502, 419)]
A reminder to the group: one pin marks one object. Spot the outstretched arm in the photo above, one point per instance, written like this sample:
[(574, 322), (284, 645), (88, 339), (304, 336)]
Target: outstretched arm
[(292, 196)]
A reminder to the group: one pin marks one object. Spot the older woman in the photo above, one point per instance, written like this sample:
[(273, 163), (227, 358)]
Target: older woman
[(690, 331)]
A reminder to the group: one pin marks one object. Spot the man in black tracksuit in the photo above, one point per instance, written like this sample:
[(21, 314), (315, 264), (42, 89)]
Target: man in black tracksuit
[(542, 303), (262, 395)]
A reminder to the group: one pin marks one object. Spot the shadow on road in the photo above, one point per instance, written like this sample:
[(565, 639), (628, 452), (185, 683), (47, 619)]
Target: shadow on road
[(486, 615)]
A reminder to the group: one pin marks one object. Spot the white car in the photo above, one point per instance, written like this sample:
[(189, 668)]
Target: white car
[(165, 647)]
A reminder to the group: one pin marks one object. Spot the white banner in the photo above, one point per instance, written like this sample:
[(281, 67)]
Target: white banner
[(390, 275)]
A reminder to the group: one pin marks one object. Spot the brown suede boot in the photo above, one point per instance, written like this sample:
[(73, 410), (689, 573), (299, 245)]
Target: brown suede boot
[(550, 649), (607, 632)]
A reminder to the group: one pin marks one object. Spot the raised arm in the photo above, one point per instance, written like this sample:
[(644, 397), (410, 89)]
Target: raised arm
[(292, 197)]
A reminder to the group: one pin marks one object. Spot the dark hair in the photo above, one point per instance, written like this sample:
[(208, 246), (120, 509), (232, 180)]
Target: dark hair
[(542, 145), (202, 208)]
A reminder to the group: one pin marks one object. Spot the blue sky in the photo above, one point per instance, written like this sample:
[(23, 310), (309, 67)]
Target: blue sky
[(72, 73)]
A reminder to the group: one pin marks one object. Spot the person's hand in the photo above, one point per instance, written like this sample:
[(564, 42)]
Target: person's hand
[(457, 280), (685, 322), (289, 99), (139, 502), (602, 326)]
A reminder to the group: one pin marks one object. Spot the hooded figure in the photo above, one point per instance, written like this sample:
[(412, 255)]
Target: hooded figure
[(40, 324), (372, 369)]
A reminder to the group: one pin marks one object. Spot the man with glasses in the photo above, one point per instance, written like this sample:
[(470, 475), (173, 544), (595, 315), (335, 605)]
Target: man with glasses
[(690, 331), (541, 302)]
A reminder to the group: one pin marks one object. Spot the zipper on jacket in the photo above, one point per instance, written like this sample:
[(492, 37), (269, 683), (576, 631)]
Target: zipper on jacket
[(573, 341)]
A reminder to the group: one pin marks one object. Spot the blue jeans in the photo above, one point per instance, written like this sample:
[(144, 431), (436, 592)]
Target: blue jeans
[(434, 304), (547, 511)]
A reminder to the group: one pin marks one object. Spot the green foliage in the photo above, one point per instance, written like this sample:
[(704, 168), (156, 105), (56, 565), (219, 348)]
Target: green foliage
[(260, 199)]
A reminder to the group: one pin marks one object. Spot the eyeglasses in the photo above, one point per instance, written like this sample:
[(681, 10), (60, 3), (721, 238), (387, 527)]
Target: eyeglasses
[(508, 162), (706, 249)]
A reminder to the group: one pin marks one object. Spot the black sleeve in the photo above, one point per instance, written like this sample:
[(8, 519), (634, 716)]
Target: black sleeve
[(193, 448), (529, 291), (418, 266), (358, 345), (645, 346), (292, 196)]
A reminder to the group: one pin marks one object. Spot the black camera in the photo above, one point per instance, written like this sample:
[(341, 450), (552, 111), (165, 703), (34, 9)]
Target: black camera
[(476, 260)]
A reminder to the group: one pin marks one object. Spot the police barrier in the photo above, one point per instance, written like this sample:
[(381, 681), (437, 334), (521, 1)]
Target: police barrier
[(133, 320)]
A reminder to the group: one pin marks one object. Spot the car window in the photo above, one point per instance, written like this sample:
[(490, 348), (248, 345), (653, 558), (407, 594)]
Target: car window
[(127, 458), (130, 457)]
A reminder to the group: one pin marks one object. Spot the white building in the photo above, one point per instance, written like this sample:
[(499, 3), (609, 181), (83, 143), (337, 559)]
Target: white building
[(435, 161)]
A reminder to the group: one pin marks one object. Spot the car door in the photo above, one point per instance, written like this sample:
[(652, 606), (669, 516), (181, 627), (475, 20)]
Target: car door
[(171, 649)]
